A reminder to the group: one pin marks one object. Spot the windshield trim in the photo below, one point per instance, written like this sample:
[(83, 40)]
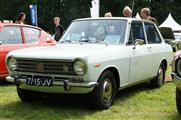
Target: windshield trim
[(120, 36)]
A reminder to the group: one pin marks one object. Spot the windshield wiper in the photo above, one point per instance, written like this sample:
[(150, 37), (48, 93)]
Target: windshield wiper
[(69, 41), (65, 41), (91, 41)]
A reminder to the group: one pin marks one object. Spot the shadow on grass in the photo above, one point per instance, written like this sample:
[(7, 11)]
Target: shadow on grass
[(131, 91), (66, 106), (49, 107), (176, 117), (5, 83)]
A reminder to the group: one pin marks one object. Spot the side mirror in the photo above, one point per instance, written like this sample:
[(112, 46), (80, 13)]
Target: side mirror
[(139, 42), (48, 40), (0, 42)]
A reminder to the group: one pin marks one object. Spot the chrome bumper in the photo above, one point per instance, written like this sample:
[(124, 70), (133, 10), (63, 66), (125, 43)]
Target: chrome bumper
[(176, 79), (65, 86)]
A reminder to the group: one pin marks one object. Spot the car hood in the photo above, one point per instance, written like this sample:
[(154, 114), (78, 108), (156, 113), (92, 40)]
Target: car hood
[(68, 51)]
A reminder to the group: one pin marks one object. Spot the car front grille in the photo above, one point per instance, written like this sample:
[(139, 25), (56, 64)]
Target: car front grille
[(45, 66)]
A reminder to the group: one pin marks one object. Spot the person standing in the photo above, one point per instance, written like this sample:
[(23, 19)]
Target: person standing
[(127, 12), (108, 14), (21, 18), (145, 14), (58, 29)]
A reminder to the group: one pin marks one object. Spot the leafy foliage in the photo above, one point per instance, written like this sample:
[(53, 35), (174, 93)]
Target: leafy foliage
[(69, 10)]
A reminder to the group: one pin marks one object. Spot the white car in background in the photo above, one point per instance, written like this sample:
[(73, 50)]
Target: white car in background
[(94, 56), (172, 38), (177, 40), (177, 36)]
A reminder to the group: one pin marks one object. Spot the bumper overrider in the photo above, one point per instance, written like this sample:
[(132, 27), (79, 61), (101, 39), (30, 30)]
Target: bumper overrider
[(63, 86), (176, 79)]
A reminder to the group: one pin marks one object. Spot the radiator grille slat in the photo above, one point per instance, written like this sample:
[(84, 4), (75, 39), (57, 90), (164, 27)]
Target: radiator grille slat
[(45, 66)]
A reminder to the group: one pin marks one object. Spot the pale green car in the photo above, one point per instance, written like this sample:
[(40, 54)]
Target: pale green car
[(97, 57), (172, 38)]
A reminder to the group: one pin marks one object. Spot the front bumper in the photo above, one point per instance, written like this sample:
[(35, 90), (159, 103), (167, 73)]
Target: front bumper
[(176, 79), (65, 86)]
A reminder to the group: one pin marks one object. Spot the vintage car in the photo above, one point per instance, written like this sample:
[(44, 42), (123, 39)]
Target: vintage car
[(177, 35), (171, 38), (17, 36), (94, 56), (176, 76)]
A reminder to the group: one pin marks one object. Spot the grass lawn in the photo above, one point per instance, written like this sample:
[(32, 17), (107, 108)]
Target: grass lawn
[(140, 102)]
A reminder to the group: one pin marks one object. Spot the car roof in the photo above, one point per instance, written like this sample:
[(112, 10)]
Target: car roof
[(15, 24), (114, 18)]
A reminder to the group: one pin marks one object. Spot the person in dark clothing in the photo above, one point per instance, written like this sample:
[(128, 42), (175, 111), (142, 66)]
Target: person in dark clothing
[(58, 29), (145, 14), (21, 18)]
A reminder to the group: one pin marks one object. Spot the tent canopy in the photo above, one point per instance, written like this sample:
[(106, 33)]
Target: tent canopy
[(138, 16), (170, 22)]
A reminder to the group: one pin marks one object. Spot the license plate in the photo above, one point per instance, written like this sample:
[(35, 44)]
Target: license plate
[(39, 81)]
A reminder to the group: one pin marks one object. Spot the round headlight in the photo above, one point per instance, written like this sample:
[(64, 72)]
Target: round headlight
[(79, 67), (11, 62), (178, 67)]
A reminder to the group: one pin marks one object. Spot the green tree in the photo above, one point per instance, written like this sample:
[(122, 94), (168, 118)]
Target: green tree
[(69, 10)]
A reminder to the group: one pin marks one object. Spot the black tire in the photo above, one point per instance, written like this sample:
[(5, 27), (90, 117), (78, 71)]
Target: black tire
[(160, 78), (178, 100), (26, 96), (103, 95), (176, 48)]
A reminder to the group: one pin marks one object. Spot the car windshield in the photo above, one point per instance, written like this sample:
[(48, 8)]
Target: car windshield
[(95, 31)]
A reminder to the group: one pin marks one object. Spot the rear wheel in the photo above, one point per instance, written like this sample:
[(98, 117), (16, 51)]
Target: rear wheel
[(26, 96), (160, 78), (178, 100), (104, 94)]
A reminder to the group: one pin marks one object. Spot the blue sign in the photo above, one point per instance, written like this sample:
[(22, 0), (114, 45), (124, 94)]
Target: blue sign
[(33, 14)]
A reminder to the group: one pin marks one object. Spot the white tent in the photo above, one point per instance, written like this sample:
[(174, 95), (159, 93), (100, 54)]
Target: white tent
[(138, 16), (170, 22)]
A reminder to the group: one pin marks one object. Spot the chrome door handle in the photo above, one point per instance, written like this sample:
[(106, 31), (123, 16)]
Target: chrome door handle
[(149, 47)]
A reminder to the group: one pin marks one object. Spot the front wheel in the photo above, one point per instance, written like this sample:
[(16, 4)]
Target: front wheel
[(160, 78), (104, 94), (178, 100)]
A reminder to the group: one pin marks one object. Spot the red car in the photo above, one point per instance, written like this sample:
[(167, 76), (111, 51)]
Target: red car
[(17, 36)]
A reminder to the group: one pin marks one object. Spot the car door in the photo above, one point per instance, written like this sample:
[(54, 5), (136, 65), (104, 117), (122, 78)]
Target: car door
[(32, 36), (11, 39), (140, 62), (156, 48)]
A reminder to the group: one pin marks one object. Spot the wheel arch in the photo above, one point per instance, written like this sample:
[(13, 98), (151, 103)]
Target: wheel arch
[(164, 62), (115, 72)]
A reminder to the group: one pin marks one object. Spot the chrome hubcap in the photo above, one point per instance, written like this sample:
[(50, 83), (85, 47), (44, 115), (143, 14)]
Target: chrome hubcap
[(107, 91), (160, 75)]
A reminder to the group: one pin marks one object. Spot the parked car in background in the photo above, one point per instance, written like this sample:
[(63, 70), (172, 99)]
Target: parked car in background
[(171, 38), (18, 36), (176, 76), (177, 35), (94, 56)]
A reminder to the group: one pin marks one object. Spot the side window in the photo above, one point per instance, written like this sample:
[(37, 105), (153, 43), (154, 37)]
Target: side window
[(31, 34), (11, 35), (152, 34), (136, 32)]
